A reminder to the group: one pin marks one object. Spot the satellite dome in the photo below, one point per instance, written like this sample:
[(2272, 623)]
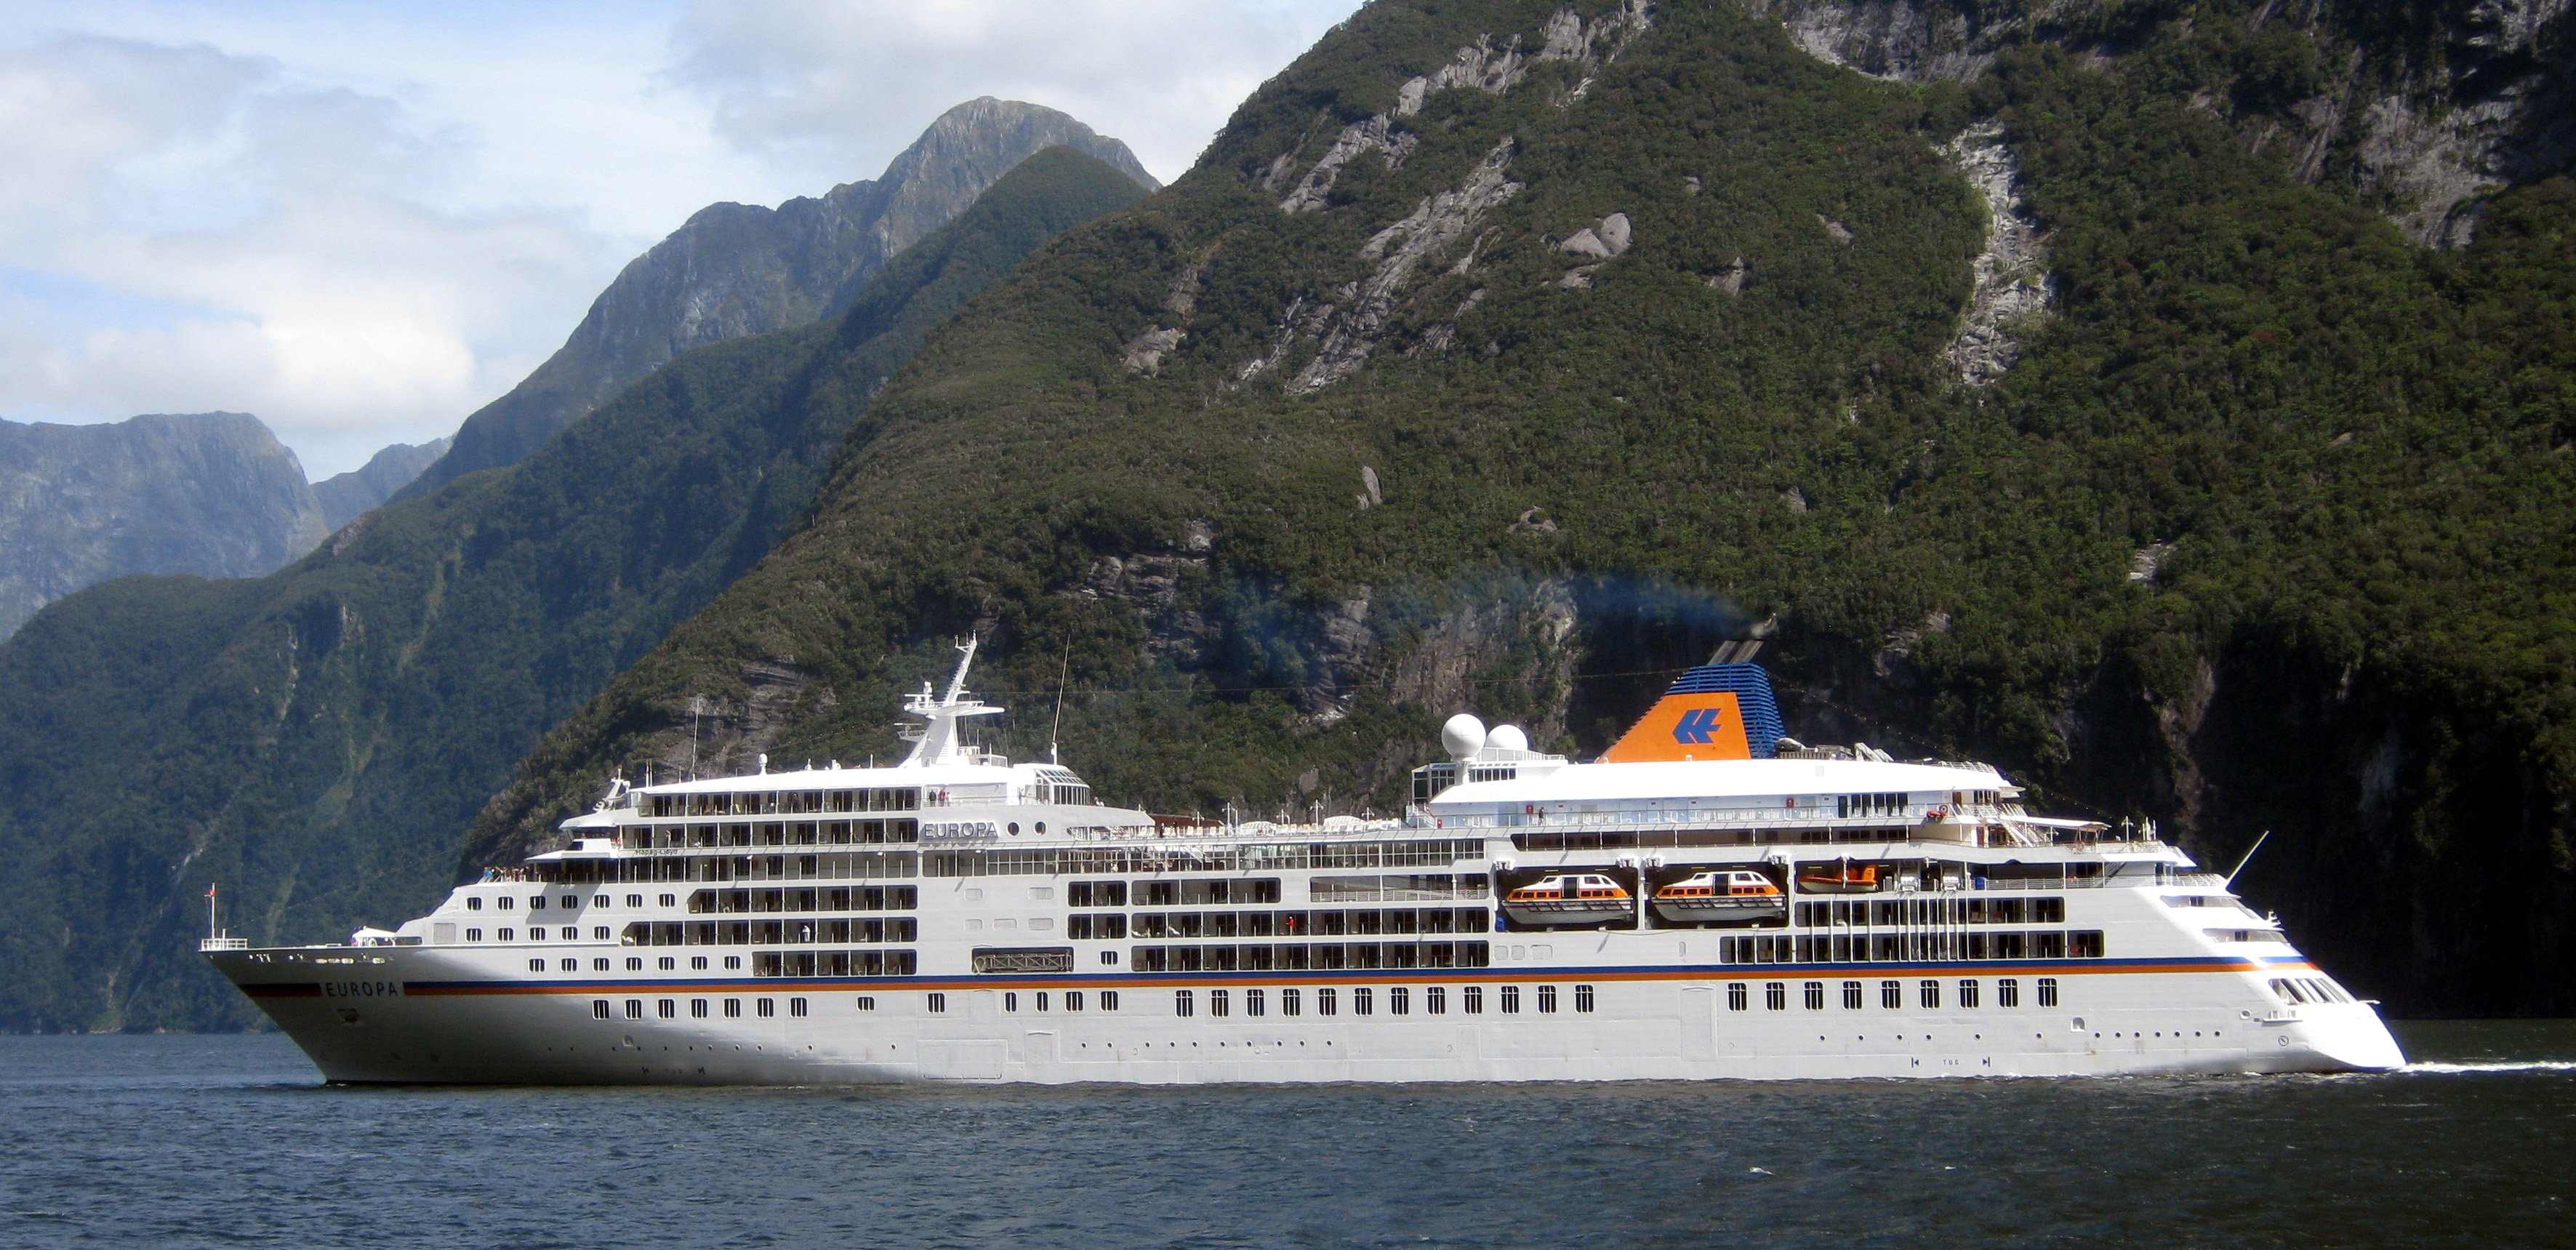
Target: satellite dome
[(1463, 736), (1507, 738)]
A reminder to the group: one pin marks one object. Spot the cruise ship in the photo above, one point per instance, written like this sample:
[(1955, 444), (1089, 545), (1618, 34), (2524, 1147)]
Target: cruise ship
[(1708, 899)]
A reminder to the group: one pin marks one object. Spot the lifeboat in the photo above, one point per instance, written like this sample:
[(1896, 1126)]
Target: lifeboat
[(1569, 898), (1722, 894), (1838, 877)]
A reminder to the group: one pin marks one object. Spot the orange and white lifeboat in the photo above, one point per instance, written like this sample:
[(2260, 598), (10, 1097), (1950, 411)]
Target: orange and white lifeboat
[(1569, 898), (1838, 876), (1721, 894)]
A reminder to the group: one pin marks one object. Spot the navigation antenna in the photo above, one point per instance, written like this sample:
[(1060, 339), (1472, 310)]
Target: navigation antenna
[(211, 931), (2230, 883), (697, 708), (1063, 672)]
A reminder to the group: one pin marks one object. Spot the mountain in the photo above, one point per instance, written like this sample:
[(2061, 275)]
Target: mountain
[(344, 496), (317, 741), (737, 269), (212, 494), (2093, 401)]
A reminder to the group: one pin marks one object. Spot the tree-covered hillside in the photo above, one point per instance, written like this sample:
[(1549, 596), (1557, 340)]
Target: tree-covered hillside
[(1502, 356), (316, 741)]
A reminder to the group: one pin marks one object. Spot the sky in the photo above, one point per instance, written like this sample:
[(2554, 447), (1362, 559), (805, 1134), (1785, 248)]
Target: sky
[(362, 221)]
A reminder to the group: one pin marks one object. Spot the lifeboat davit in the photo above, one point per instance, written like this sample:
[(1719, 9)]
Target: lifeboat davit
[(1838, 877), (1721, 894), (1570, 898)]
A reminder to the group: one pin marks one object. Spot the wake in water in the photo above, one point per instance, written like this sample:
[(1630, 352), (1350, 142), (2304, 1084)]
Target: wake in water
[(2522, 1065)]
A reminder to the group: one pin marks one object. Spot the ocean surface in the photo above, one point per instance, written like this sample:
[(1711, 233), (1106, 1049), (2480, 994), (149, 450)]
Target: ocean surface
[(233, 1141)]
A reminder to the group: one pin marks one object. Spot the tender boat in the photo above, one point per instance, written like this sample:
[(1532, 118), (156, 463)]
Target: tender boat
[(1721, 895), (1839, 876), (1570, 898)]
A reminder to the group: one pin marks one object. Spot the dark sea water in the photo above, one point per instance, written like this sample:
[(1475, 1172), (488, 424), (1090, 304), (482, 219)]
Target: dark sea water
[(231, 1141)]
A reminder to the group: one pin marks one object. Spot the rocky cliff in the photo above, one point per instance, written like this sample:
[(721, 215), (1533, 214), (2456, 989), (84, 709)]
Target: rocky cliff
[(1507, 356), (344, 496), (738, 269), (212, 494)]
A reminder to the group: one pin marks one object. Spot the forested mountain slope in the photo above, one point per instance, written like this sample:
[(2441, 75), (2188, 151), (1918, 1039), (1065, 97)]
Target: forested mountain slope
[(316, 741), (1505, 356), (741, 269)]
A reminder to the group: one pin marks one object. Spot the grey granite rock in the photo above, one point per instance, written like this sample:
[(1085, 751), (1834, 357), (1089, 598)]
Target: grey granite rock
[(211, 493), (740, 269)]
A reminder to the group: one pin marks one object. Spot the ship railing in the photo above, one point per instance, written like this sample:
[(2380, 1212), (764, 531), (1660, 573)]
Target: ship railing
[(223, 944)]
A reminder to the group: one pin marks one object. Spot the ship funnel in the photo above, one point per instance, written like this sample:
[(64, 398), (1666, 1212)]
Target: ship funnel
[(1712, 712)]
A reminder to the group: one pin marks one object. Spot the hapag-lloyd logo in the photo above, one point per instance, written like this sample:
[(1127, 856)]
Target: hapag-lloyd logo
[(1698, 726)]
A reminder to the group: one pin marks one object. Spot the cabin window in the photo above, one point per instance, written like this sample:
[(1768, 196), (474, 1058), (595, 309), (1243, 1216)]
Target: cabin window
[(1891, 994), (1010, 1002), (1967, 993), (1399, 1001), (1435, 1001), (1775, 995), (1931, 993), (1547, 999), (1324, 1002), (2048, 991), (1583, 998), (670, 900), (697, 963), (539, 965), (1814, 995), (1218, 1003), (733, 1009), (668, 1009), (1252, 1002), (1042, 1000), (2007, 992), (2084, 944), (668, 963), (866, 1003), (796, 1006), (768, 1008), (634, 900), (935, 1004), (599, 965), (1183, 1004), (509, 935), (733, 963), (599, 1009), (634, 1009), (1736, 998), (1511, 1000), (473, 904), (697, 1009), (599, 933), (1851, 995), (1471, 1000), (634, 964), (1363, 1001)]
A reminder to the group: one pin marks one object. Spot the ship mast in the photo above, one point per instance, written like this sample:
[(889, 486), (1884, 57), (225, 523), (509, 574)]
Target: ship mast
[(936, 740)]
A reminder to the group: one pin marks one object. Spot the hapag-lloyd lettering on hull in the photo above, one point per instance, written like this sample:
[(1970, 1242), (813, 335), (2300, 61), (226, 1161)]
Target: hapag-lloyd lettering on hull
[(362, 989)]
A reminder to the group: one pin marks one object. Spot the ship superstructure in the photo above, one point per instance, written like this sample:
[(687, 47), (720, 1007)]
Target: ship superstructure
[(1709, 899)]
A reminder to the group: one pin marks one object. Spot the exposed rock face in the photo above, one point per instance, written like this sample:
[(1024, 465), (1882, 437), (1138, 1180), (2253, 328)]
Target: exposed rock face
[(2010, 284), (739, 269), (344, 497), (213, 494), (1437, 222), (2422, 133)]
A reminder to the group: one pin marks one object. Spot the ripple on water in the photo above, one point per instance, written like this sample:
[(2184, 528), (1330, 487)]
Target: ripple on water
[(229, 1141)]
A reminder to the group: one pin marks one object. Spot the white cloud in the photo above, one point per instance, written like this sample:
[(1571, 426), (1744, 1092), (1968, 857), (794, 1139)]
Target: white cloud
[(827, 84), (361, 222)]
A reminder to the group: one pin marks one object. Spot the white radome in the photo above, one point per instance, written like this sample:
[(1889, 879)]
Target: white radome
[(1507, 738), (1463, 736)]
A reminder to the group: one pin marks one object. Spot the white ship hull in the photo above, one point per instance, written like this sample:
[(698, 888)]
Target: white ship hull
[(421, 1024), (958, 918)]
